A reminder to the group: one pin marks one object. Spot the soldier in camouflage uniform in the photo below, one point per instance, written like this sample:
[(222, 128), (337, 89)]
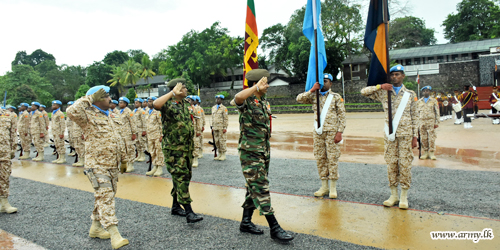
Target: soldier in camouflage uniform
[(145, 105), (154, 134), (37, 129), (23, 126), (140, 122), (255, 149), (219, 126), (198, 104), (102, 160), (326, 139), (197, 126), (128, 132), (69, 127), (7, 152), (178, 145), (428, 114), (58, 126), (398, 146), (47, 122), (113, 108), (79, 142)]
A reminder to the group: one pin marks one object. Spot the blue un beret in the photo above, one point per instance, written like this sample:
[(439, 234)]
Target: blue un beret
[(152, 98), (124, 99), (3, 107), (71, 102), (198, 98), (114, 101), (398, 68), (25, 104), (43, 106), (328, 76), (426, 87), (219, 96), (56, 102), (190, 97), (96, 88), (138, 100), (11, 107), (36, 103)]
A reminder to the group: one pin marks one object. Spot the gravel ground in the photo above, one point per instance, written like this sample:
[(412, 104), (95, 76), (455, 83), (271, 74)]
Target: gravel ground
[(61, 221)]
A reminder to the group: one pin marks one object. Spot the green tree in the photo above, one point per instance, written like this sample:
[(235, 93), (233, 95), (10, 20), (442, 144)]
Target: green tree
[(475, 20), (115, 58), (409, 32), (26, 75), (82, 90), (131, 72), (23, 93), (116, 79), (38, 56), (131, 95), (145, 70), (98, 74), (136, 54)]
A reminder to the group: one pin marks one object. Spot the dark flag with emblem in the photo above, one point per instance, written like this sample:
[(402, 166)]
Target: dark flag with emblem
[(376, 42), (251, 42)]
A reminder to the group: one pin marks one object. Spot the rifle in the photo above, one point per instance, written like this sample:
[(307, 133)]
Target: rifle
[(213, 143), (150, 161), (419, 145)]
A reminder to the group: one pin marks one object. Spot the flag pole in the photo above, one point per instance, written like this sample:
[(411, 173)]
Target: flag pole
[(389, 97), (316, 55)]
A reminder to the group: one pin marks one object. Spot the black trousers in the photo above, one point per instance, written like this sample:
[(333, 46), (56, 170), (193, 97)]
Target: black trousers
[(466, 112), (494, 111), (476, 109), (459, 115)]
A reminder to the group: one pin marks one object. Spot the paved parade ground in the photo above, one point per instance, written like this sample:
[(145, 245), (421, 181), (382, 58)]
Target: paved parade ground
[(458, 192)]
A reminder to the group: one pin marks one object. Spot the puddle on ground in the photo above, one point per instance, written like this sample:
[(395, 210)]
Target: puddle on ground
[(9, 241)]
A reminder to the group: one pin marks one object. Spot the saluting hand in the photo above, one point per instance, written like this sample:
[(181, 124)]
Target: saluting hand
[(177, 89), (386, 86), (99, 95), (262, 84)]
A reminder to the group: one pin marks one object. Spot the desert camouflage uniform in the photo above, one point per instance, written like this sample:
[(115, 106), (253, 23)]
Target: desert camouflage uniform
[(37, 126), (23, 126), (255, 153), (203, 126), (178, 146), (140, 123), (428, 114), (326, 151), (197, 126), (7, 148), (103, 155), (47, 122), (398, 153), (127, 129), (219, 123), (58, 126), (77, 133), (154, 135), (69, 127)]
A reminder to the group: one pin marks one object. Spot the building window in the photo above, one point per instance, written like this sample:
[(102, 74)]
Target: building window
[(416, 61), (475, 56), (454, 58), (355, 68), (430, 60), (424, 61), (408, 61), (465, 57), (440, 59)]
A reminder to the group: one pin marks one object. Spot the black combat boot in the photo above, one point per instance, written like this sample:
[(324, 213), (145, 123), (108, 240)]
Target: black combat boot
[(176, 208), (277, 232), (191, 217), (246, 224)]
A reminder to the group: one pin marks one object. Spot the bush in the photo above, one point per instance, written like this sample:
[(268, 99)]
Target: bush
[(82, 90), (225, 94), (131, 95)]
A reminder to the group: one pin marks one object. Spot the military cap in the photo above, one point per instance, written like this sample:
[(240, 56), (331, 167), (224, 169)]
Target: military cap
[(190, 97), (25, 104), (138, 100), (255, 75), (426, 87), (198, 98), (3, 107), (152, 98), (174, 82), (219, 96), (36, 104), (328, 76), (43, 106), (56, 102), (71, 102), (114, 101), (124, 99), (495, 87), (96, 88), (398, 68), (11, 107)]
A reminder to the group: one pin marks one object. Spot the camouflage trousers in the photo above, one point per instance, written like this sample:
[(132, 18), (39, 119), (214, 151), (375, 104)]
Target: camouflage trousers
[(129, 148), (70, 139), (38, 142), (5, 171), (220, 141), (25, 141), (197, 146), (79, 147), (104, 198), (47, 137), (255, 167), (179, 166), (428, 136), (327, 154), (140, 142), (154, 148), (59, 143), (399, 156)]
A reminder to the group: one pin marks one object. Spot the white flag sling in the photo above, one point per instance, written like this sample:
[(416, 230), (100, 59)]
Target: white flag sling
[(323, 114), (397, 117)]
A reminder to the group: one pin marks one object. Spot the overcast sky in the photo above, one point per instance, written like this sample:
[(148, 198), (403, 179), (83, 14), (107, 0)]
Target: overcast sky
[(79, 32)]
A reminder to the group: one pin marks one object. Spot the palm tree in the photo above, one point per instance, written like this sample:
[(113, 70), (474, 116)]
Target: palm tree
[(147, 72), (131, 72), (116, 80)]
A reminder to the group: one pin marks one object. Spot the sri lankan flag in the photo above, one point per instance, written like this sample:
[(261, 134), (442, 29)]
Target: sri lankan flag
[(251, 42), (376, 42)]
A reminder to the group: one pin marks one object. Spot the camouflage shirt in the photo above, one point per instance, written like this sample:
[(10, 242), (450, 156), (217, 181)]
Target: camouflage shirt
[(58, 124), (428, 112), (7, 134), (140, 122), (129, 126), (178, 128), (46, 118), (335, 117), (198, 119), (23, 124), (219, 117), (153, 124), (255, 128), (37, 123)]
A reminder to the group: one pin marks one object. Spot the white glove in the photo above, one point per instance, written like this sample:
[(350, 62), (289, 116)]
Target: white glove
[(474, 87)]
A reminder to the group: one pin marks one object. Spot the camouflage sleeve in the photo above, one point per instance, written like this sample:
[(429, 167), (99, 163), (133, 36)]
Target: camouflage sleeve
[(340, 114), (132, 122), (414, 114), (225, 119), (13, 134), (306, 98), (76, 112), (160, 124), (62, 124), (436, 112), (241, 107), (203, 116), (47, 121), (38, 129), (166, 110), (373, 93)]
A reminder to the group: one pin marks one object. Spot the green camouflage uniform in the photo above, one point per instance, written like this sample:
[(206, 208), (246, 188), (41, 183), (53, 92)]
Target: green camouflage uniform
[(255, 153), (177, 146)]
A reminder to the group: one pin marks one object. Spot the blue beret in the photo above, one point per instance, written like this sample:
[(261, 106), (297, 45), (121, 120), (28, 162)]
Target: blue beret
[(219, 96), (3, 107), (124, 99), (114, 101), (152, 98), (25, 104), (426, 87), (56, 102), (43, 106), (11, 107), (36, 103), (190, 97), (71, 102), (198, 98), (96, 88), (328, 76), (138, 100), (398, 68)]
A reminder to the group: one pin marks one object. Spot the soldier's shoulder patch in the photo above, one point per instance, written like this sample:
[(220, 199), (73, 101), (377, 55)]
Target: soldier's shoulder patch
[(25, 116), (131, 114), (41, 116), (62, 116), (416, 99), (341, 99), (225, 110), (15, 115)]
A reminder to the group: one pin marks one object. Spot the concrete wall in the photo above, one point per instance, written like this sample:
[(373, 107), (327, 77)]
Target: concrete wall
[(487, 66)]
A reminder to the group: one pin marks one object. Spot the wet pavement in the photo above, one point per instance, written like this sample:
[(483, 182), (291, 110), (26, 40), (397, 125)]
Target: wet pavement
[(12, 242)]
